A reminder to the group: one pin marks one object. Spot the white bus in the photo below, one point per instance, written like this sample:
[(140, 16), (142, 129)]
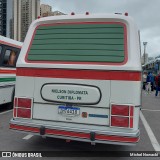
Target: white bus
[(9, 51), (79, 78)]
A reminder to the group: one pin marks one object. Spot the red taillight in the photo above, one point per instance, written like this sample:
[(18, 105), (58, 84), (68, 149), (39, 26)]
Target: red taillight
[(131, 122), (131, 110), (122, 116), (15, 112), (22, 107), (24, 103), (119, 121), (23, 113), (15, 101), (120, 110)]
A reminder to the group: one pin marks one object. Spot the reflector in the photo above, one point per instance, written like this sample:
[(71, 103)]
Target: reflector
[(72, 13), (131, 110), (126, 14), (15, 112), (23, 113), (120, 121), (120, 110), (22, 107), (84, 114), (131, 122), (24, 103), (87, 13)]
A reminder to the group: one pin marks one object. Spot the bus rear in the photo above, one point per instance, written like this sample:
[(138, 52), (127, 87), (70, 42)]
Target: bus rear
[(79, 78)]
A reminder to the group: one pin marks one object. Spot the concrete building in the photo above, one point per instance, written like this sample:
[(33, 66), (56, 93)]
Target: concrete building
[(3, 18), (45, 8), (55, 13), (58, 13), (25, 11), (6, 15)]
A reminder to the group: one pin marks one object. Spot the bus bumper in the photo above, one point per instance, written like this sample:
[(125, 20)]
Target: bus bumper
[(117, 138)]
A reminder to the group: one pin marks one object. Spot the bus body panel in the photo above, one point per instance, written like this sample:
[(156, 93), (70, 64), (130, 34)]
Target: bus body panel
[(6, 94)]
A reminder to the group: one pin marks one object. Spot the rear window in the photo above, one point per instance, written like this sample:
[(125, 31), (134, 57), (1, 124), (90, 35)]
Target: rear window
[(87, 42)]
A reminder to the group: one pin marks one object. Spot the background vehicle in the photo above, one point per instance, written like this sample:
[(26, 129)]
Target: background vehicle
[(9, 51), (82, 77)]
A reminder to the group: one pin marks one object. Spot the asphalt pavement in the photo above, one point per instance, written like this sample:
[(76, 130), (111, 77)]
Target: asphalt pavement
[(151, 111)]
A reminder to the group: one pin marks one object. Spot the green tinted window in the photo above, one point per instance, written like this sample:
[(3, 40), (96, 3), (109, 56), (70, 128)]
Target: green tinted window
[(78, 43)]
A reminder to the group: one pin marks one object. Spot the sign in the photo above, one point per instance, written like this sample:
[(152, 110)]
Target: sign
[(71, 93)]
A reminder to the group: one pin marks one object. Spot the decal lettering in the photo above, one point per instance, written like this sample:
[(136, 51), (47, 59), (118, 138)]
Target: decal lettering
[(63, 94), (58, 91)]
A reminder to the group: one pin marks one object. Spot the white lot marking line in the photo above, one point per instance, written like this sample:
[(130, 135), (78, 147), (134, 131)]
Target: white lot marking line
[(28, 137), (151, 135), (150, 110), (6, 112)]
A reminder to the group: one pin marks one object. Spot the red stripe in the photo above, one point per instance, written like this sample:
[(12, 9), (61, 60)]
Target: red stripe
[(131, 122), (131, 110), (117, 138), (76, 134), (7, 71), (24, 128), (80, 74), (74, 23), (10, 44), (15, 112), (131, 116), (67, 133)]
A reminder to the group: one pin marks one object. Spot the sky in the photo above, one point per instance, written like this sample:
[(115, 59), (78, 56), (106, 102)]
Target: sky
[(144, 12)]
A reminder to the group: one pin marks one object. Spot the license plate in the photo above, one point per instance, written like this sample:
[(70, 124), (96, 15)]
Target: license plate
[(68, 111)]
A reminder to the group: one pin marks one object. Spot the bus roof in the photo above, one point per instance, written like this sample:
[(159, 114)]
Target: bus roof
[(10, 42), (63, 18)]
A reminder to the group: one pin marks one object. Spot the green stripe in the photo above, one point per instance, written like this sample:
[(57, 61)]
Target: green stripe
[(76, 53), (77, 47), (79, 36), (80, 26), (7, 79), (79, 41), (81, 31), (77, 58)]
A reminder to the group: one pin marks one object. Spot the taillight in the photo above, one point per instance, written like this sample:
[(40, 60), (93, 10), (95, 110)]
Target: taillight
[(119, 121), (22, 107), (121, 116), (120, 110), (24, 102), (23, 113)]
